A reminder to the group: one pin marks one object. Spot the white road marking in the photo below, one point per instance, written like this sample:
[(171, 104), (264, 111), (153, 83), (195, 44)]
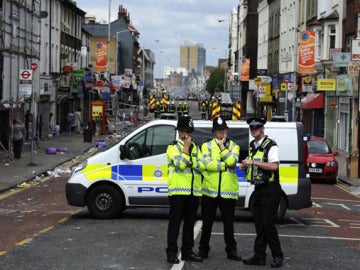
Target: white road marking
[(339, 204), (353, 224), (314, 204), (197, 229), (321, 222), (332, 199)]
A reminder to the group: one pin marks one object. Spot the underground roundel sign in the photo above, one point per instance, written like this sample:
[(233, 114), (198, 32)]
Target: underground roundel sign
[(25, 75)]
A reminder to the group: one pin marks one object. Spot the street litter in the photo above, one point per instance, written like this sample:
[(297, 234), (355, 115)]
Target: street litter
[(100, 144), (54, 151)]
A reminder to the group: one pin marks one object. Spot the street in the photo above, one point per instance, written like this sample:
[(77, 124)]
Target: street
[(39, 230)]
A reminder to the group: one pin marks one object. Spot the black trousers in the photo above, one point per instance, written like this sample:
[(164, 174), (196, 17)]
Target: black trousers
[(17, 148), (181, 208), (208, 209), (266, 203)]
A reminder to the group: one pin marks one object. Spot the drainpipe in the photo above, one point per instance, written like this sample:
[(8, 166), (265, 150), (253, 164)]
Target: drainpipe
[(358, 117)]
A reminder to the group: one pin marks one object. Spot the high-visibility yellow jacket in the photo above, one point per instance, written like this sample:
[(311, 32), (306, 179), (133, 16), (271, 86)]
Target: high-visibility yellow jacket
[(185, 171), (220, 177)]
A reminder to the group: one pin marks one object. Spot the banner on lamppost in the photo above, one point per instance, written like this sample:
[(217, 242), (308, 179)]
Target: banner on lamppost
[(245, 69), (355, 50), (306, 52), (101, 57)]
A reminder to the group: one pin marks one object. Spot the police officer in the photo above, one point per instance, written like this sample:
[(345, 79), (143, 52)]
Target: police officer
[(172, 107), (185, 108), (262, 170), (203, 110), (157, 110), (179, 109), (185, 165), (220, 188)]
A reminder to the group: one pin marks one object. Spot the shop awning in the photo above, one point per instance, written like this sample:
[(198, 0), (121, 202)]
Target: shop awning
[(312, 101)]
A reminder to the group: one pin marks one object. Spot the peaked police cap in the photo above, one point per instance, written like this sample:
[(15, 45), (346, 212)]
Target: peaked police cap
[(185, 123), (256, 121)]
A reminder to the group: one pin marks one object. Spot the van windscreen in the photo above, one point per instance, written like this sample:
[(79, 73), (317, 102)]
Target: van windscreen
[(238, 135)]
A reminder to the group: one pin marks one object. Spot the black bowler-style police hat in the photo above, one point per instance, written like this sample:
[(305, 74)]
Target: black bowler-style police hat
[(185, 123), (219, 124), (255, 122)]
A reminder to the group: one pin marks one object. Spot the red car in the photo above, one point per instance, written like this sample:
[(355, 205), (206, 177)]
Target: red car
[(321, 163)]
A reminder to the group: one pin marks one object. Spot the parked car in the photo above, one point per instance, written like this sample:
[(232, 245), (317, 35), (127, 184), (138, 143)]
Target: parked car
[(321, 160)]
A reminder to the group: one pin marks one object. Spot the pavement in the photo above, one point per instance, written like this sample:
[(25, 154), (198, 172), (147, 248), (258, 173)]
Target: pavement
[(71, 150)]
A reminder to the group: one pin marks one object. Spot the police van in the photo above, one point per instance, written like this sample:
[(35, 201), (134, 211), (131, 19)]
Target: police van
[(134, 172)]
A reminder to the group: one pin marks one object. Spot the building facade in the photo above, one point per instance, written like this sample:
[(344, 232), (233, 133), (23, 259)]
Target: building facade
[(324, 97), (193, 57)]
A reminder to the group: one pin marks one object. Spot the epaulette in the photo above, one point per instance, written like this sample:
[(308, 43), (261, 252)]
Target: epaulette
[(173, 143)]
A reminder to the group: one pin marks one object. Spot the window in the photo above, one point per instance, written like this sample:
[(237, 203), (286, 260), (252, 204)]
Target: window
[(150, 142), (332, 36), (319, 42)]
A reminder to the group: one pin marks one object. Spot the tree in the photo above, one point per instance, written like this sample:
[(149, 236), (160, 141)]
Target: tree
[(215, 82)]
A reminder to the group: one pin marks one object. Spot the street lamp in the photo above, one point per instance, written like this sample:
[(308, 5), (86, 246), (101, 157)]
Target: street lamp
[(108, 45)]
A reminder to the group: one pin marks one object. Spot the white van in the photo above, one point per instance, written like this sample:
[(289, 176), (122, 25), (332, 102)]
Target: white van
[(133, 173)]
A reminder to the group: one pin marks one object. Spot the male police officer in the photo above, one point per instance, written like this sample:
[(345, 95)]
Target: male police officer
[(220, 188), (262, 170), (185, 165)]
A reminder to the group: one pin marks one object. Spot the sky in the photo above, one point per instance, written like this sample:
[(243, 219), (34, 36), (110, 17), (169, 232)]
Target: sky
[(165, 25)]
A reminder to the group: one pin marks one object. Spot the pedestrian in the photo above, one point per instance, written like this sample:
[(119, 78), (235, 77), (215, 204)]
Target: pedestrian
[(57, 130), (262, 171), (17, 138), (220, 188), (70, 120), (185, 165), (78, 120)]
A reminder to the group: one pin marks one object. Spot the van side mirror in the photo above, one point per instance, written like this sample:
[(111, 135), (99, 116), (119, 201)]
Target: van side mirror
[(335, 153), (123, 152)]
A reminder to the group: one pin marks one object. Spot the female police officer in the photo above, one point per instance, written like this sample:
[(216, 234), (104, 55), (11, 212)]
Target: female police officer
[(262, 166), (185, 165), (220, 188)]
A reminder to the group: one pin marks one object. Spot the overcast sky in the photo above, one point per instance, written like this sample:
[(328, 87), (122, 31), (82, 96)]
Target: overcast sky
[(173, 23)]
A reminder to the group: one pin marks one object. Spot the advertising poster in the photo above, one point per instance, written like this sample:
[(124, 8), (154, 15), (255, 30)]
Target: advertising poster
[(245, 69), (306, 52), (101, 57)]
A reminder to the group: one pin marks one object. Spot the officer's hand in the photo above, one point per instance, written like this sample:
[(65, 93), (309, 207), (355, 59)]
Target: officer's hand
[(187, 143), (244, 164)]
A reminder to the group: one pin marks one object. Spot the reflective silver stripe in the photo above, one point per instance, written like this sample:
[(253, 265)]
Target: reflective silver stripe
[(178, 147), (219, 166), (230, 170), (209, 146), (227, 155), (207, 155), (184, 171)]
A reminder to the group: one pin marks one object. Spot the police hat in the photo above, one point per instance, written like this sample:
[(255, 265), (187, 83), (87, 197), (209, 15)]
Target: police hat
[(219, 124), (255, 122), (185, 123)]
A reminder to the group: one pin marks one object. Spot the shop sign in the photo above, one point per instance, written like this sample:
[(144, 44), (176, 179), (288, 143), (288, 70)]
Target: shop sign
[(326, 85)]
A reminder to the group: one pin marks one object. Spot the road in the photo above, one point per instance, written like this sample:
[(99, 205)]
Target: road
[(38, 230)]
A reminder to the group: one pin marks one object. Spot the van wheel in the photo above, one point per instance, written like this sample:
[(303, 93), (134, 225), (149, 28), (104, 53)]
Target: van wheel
[(104, 202), (281, 210)]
